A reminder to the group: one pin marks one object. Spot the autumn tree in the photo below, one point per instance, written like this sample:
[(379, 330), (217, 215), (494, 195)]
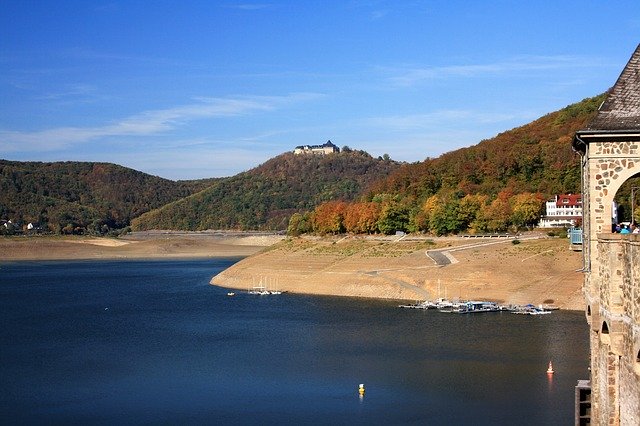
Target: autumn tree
[(469, 208), (526, 209), (495, 216), (362, 218), (328, 217)]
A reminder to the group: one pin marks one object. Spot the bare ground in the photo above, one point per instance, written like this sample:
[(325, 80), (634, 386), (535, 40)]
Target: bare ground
[(147, 245), (535, 271)]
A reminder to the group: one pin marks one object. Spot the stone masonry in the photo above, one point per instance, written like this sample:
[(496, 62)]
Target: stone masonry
[(610, 151)]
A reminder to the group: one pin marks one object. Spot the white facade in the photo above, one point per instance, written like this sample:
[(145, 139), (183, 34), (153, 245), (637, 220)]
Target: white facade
[(324, 149), (562, 212)]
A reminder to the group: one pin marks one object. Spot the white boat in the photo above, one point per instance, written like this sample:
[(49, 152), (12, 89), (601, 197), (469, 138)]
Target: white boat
[(473, 306), (529, 310), (444, 305), (420, 305), (262, 290), (258, 289)]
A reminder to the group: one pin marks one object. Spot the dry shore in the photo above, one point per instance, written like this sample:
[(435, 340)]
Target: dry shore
[(535, 271), (146, 245)]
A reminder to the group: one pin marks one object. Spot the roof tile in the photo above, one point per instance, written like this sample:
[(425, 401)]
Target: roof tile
[(621, 109)]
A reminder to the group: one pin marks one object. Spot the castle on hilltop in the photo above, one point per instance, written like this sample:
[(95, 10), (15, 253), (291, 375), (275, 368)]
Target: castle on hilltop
[(327, 148)]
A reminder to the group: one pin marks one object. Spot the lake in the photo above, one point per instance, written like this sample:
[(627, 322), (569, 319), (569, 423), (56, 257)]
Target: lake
[(151, 342)]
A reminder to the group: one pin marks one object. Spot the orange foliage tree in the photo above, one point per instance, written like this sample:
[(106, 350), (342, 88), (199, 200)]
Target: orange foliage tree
[(328, 218), (362, 217)]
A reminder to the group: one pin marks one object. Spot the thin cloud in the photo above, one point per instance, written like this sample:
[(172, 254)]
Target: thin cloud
[(249, 6), (412, 76), (195, 163), (147, 123), (378, 14), (439, 118), (76, 91)]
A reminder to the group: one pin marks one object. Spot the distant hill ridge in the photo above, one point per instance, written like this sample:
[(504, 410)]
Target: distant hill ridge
[(79, 197), (266, 196)]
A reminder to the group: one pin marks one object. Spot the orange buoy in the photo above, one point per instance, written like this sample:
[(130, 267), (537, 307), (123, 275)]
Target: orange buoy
[(550, 369)]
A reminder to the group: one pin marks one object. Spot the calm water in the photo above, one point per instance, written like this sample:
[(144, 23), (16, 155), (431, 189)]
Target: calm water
[(150, 342)]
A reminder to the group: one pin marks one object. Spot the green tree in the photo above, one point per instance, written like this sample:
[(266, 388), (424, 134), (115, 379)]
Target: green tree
[(469, 208), (445, 218), (393, 217), (299, 224)]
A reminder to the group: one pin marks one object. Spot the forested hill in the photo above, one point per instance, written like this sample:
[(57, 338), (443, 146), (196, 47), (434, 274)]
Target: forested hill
[(266, 196), (496, 185), (536, 158), (81, 197)]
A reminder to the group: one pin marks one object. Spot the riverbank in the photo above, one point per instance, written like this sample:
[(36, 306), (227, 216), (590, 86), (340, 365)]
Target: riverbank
[(537, 270), (144, 245)]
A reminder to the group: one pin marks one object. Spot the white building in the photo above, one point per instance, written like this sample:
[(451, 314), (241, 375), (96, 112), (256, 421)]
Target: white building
[(327, 148), (562, 212)]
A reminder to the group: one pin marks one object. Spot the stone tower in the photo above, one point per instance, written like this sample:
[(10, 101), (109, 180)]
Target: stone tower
[(610, 151)]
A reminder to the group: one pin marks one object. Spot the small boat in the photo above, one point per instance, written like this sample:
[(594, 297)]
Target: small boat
[(444, 305), (258, 289), (420, 305), (231, 293), (529, 310), (550, 369), (476, 307)]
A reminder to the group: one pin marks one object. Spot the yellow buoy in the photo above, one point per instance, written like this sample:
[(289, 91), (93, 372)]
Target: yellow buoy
[(361, 389)]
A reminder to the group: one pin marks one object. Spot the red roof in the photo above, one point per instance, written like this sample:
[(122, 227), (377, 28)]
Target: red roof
[(570, 200)]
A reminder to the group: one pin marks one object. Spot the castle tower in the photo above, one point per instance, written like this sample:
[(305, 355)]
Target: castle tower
[(610, 151)]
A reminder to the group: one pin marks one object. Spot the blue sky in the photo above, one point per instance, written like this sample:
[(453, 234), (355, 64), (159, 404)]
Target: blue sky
[(194, 89)]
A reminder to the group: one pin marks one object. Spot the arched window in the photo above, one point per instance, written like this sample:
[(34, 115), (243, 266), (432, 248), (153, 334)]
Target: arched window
[(626, 206)]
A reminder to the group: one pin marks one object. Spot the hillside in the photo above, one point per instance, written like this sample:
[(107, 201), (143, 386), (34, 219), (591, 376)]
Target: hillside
[(266, 196), (536, 157), (81, 197), (497, 185)]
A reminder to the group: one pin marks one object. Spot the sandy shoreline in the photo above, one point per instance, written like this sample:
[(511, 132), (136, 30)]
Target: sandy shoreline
[(134, 246), (538, 271)]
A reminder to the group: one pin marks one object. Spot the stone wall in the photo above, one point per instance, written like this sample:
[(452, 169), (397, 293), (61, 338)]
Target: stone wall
[(612, 290)]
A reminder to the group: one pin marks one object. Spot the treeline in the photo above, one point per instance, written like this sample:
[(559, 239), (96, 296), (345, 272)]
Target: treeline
[(497, 185), (265, 197), (438, 215), (80, 197)]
